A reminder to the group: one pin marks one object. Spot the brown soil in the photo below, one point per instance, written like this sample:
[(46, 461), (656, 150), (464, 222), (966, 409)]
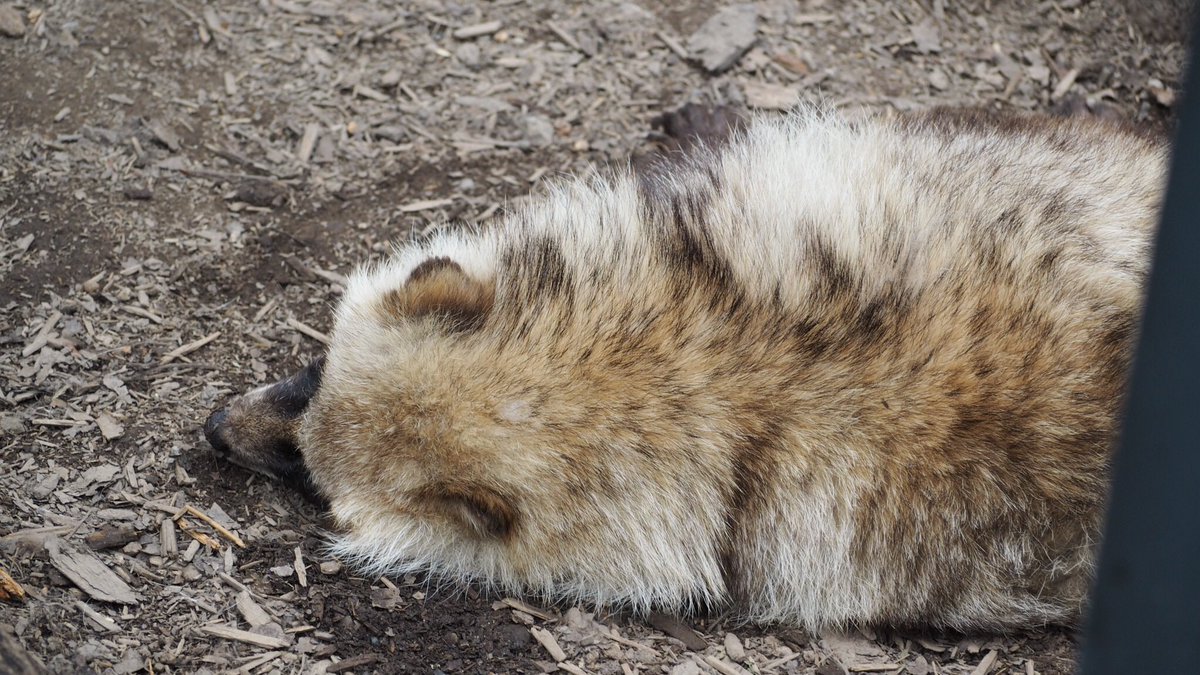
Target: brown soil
[(156, 188)]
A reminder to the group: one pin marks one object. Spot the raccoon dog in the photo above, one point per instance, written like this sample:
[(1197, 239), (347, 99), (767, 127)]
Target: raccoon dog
[(831, 373)]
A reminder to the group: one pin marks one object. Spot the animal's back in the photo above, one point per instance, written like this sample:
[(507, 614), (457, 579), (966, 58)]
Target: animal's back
[(834, 373)]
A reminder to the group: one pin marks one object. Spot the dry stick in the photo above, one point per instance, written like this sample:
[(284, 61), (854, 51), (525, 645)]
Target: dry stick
[(630, 643), (671, 44), (546, 639), (566, 37), (104, 622), (256, 661), (43, 334), (298, 565), (198, 536), (309, 331), (246, 636), (1064, 84), (513, 603), (188, 348), (723, 667), (145, 313), (217, 527), (424, 205), (308, 142), (477, 30), (985, 666)]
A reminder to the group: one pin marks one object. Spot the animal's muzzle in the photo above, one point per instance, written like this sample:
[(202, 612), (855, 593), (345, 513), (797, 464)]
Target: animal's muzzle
[(212, 432)]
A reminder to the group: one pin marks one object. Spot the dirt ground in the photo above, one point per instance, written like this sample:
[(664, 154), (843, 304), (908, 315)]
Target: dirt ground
[(183, 185)]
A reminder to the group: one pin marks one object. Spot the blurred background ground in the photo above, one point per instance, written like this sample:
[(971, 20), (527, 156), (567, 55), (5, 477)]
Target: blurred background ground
[(184, 185)]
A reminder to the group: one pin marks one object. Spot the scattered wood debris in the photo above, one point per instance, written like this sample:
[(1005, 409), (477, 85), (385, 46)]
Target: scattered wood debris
[(248, 637), (90, 574), (171, 240)]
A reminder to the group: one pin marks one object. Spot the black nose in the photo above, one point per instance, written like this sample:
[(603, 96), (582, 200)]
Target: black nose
[(212, 431)]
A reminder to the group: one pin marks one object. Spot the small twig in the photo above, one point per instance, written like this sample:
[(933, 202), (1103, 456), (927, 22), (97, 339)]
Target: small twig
[(246, 636), (309, 331), (39, 340), (723, 667), (1064, 84), (217, 527), (104, 622), (188, 348), (145, 313), (566, 37), (671, 44)]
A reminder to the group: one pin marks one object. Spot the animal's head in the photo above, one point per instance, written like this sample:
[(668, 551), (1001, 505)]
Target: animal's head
[(453, 427), (259, 430)]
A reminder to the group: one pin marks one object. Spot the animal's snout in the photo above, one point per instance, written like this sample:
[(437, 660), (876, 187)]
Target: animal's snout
[(212, 431)]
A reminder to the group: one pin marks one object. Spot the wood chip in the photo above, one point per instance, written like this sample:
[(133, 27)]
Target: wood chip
[(672, 44), (260, 660), (985, 666), (566, 37), (251, 611), (874, 667), (110, 537), (513, 603), (363, 91), (298, 564), (90, 574), (352, 663), (308, 141), (568, 667), (1064, 84), (105, 623), (144, 313), (230, 633), (166, 538), (546, 639), (734, 648), (10, 590), (724, 667), (806, 19), (110, 428), (188, 348), (40, 337), (309, 331), (478, 30), (771, 96), (425, 205)]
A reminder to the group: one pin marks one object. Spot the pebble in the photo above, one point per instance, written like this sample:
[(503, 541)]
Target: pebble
[(12, 24), (722, 40), (733, 648), (468, 54), (538, 130)]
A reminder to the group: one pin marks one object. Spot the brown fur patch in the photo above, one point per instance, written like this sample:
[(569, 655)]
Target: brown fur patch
[(439, 287)]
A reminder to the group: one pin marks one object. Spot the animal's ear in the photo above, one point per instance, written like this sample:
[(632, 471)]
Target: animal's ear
[(482, 511), (439, 287)]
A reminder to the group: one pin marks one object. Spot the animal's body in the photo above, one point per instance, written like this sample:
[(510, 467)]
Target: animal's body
[(833, 373)]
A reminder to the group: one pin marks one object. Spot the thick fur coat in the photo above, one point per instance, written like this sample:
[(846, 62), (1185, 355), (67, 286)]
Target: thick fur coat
[(833, 373)]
